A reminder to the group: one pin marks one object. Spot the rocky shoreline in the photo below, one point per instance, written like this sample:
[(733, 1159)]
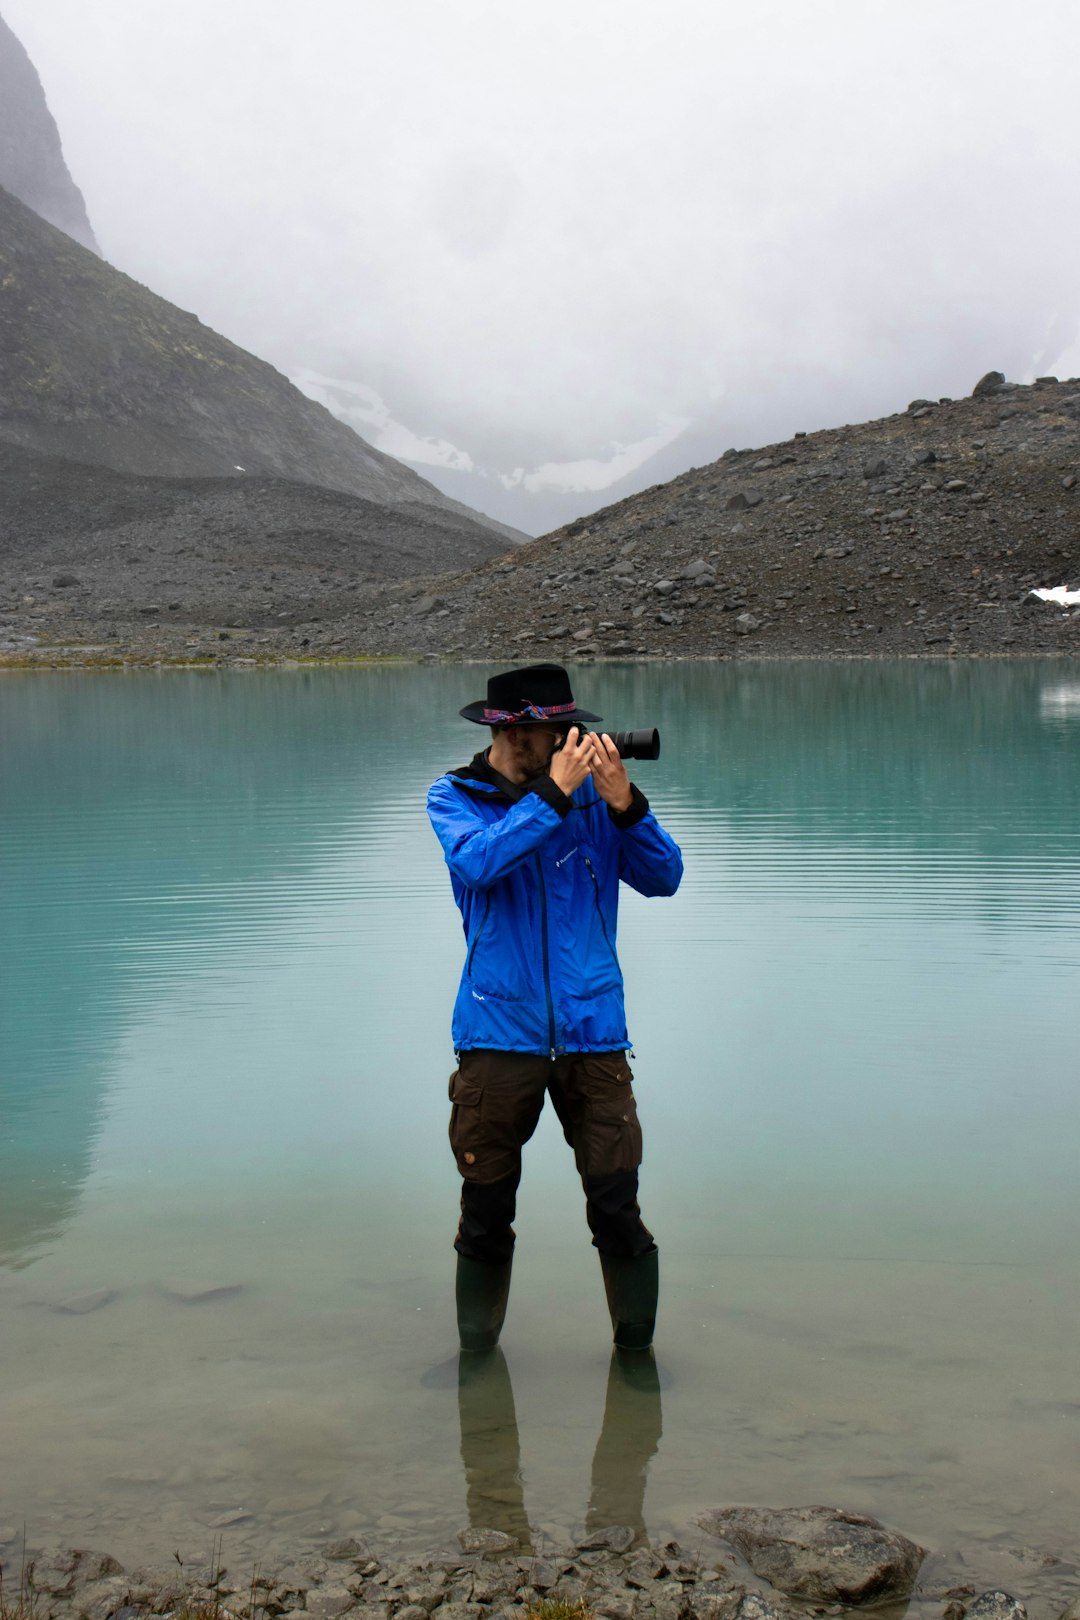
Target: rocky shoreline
[(920, 535), (758, 1564)]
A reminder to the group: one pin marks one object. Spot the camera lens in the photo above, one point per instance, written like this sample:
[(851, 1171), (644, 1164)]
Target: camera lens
[(637, 744)]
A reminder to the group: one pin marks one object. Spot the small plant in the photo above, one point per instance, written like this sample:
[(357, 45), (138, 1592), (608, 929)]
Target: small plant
[(21, 1604), (208, 1604), (559, 1609), (203, 1607)]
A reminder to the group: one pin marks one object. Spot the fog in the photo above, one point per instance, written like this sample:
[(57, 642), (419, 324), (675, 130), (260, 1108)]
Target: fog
[(551, 253)]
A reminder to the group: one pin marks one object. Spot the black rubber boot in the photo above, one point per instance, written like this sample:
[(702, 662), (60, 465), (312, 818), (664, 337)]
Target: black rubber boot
[(482, 1292), (632, 1286)]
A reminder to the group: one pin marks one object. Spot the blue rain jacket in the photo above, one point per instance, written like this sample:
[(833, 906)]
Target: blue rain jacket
[(536, 874)]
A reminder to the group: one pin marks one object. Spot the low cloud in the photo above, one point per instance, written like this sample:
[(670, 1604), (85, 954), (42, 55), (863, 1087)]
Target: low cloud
[(593, 474), (368, 414), (363, 409), (543, 235)]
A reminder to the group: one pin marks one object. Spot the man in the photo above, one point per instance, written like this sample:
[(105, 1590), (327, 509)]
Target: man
[(537, 832)]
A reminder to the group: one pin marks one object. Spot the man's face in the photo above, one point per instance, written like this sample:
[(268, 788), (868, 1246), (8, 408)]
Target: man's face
[(534, 747)]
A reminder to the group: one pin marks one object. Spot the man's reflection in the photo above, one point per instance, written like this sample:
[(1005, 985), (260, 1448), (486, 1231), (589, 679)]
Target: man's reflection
[(491, 1451), (627, 1443)]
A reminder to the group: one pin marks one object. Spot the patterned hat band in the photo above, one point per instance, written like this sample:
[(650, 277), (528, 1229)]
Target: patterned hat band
[(531, 711), (552, 700)]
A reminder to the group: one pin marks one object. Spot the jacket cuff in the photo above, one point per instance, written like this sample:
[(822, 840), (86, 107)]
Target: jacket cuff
[(636, 811), (546, 789)]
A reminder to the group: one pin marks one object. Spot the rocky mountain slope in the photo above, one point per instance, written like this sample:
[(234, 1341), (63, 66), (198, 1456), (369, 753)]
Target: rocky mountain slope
[(206, 550), (97, 369), (919, 534), (32, 165)]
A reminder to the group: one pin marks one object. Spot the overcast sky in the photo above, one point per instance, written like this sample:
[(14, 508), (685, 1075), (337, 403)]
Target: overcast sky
[(550, 252)]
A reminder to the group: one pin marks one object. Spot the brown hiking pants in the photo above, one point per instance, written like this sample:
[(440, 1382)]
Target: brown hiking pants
[(497, 1099)]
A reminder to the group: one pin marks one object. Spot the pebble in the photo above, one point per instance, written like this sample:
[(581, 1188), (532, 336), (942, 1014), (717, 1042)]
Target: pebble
[(618, 1537), (327, 1602), (542, 1574), (484, 1542), (996, 1605)]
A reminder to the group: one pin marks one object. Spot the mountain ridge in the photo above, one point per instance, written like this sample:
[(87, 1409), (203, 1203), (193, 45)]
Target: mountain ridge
[(32, 163)]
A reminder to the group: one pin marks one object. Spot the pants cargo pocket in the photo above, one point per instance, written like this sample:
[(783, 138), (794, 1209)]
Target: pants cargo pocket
[(608, 1140), (466, 1125)]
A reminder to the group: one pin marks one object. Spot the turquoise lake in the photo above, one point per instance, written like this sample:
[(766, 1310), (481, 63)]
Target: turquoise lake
[(227, 962)]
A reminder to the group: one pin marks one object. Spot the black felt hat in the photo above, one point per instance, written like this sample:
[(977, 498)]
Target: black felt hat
[(538, 695)]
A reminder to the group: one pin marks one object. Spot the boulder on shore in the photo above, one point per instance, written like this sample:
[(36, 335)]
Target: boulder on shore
[(820, 1554)]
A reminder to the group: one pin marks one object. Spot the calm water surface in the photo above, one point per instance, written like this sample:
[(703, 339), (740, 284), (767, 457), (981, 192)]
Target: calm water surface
[(227, 963)]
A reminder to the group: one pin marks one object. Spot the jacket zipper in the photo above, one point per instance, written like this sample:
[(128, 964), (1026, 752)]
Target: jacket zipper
[(546, 960), (476, 936), (600, 911)]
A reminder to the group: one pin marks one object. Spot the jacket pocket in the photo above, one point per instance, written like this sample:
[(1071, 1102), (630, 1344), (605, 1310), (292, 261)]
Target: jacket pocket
[(497, 963)]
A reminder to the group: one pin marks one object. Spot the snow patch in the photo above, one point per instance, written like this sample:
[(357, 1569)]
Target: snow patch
[(1060, 594)]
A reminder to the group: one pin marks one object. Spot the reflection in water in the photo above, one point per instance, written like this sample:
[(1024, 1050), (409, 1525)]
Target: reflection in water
[(491, 1450), (629, 1437), (1060, 701), (152, 828)]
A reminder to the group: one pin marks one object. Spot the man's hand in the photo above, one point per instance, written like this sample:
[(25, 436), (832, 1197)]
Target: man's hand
[(609, 772), (573, 762)]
